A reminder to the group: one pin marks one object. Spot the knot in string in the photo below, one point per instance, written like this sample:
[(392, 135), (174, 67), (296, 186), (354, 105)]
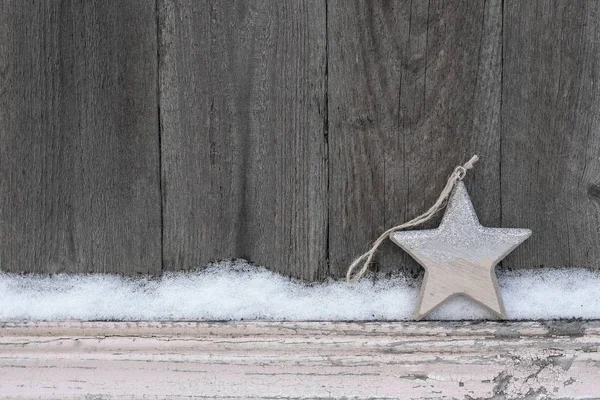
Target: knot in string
[(460, 172), (457, 175)]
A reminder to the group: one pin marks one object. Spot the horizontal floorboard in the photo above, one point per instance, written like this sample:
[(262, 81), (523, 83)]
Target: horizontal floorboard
[(299, 360)]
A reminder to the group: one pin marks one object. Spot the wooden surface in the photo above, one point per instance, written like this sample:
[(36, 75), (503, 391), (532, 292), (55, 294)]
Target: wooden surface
[(414, 90), (551, 130), (243, 115), (79, 148), (138, 137), (300, 360)]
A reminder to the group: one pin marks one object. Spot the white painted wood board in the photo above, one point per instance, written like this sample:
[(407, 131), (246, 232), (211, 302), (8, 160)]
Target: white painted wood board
[(181, 360)]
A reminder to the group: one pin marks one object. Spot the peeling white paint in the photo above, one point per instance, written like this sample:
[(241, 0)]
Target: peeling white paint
[(154, 360)]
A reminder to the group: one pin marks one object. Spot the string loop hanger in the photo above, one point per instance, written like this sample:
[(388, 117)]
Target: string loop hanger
[(457, 175)]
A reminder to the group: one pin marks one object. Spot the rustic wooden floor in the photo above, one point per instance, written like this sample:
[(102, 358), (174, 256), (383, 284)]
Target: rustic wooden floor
[(65, 360)]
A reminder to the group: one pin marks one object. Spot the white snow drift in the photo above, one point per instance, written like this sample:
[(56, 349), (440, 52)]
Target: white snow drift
[(236, 291)]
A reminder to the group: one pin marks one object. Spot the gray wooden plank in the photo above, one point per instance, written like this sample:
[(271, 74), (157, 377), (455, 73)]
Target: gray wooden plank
[(243, 117), (551, 131), (79, 153), (414, 90)]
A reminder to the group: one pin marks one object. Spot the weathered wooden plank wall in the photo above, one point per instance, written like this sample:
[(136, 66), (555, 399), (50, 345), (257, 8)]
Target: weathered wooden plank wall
[(551, 130), (242, 119), (79, 144), (140, 137), (414, 87)]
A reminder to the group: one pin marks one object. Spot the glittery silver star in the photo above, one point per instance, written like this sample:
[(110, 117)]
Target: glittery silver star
[(459, 256)]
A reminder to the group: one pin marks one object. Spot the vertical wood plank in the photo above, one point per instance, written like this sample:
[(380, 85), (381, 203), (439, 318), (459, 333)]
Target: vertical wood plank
[(79, 153), (243, 118), (414, 90), (551, 131)]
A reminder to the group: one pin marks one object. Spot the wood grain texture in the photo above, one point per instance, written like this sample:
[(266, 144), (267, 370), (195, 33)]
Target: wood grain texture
[(243, 118), (79, 154), (292, 133), (551, 131), (260, 360), (414, 90)]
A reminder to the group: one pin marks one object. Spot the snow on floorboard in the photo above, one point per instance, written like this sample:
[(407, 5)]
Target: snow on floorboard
[(239, 291)]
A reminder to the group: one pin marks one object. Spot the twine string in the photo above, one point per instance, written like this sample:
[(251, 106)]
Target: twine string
[(457, 175)]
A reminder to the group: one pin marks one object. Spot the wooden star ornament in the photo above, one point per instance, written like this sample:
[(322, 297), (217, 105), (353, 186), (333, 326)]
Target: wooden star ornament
[(459, 256)]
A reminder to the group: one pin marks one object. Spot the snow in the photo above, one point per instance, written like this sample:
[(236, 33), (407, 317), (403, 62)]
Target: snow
[(239, 291)]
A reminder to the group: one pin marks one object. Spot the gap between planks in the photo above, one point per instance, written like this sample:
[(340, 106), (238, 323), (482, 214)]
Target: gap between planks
[(66, 360)]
